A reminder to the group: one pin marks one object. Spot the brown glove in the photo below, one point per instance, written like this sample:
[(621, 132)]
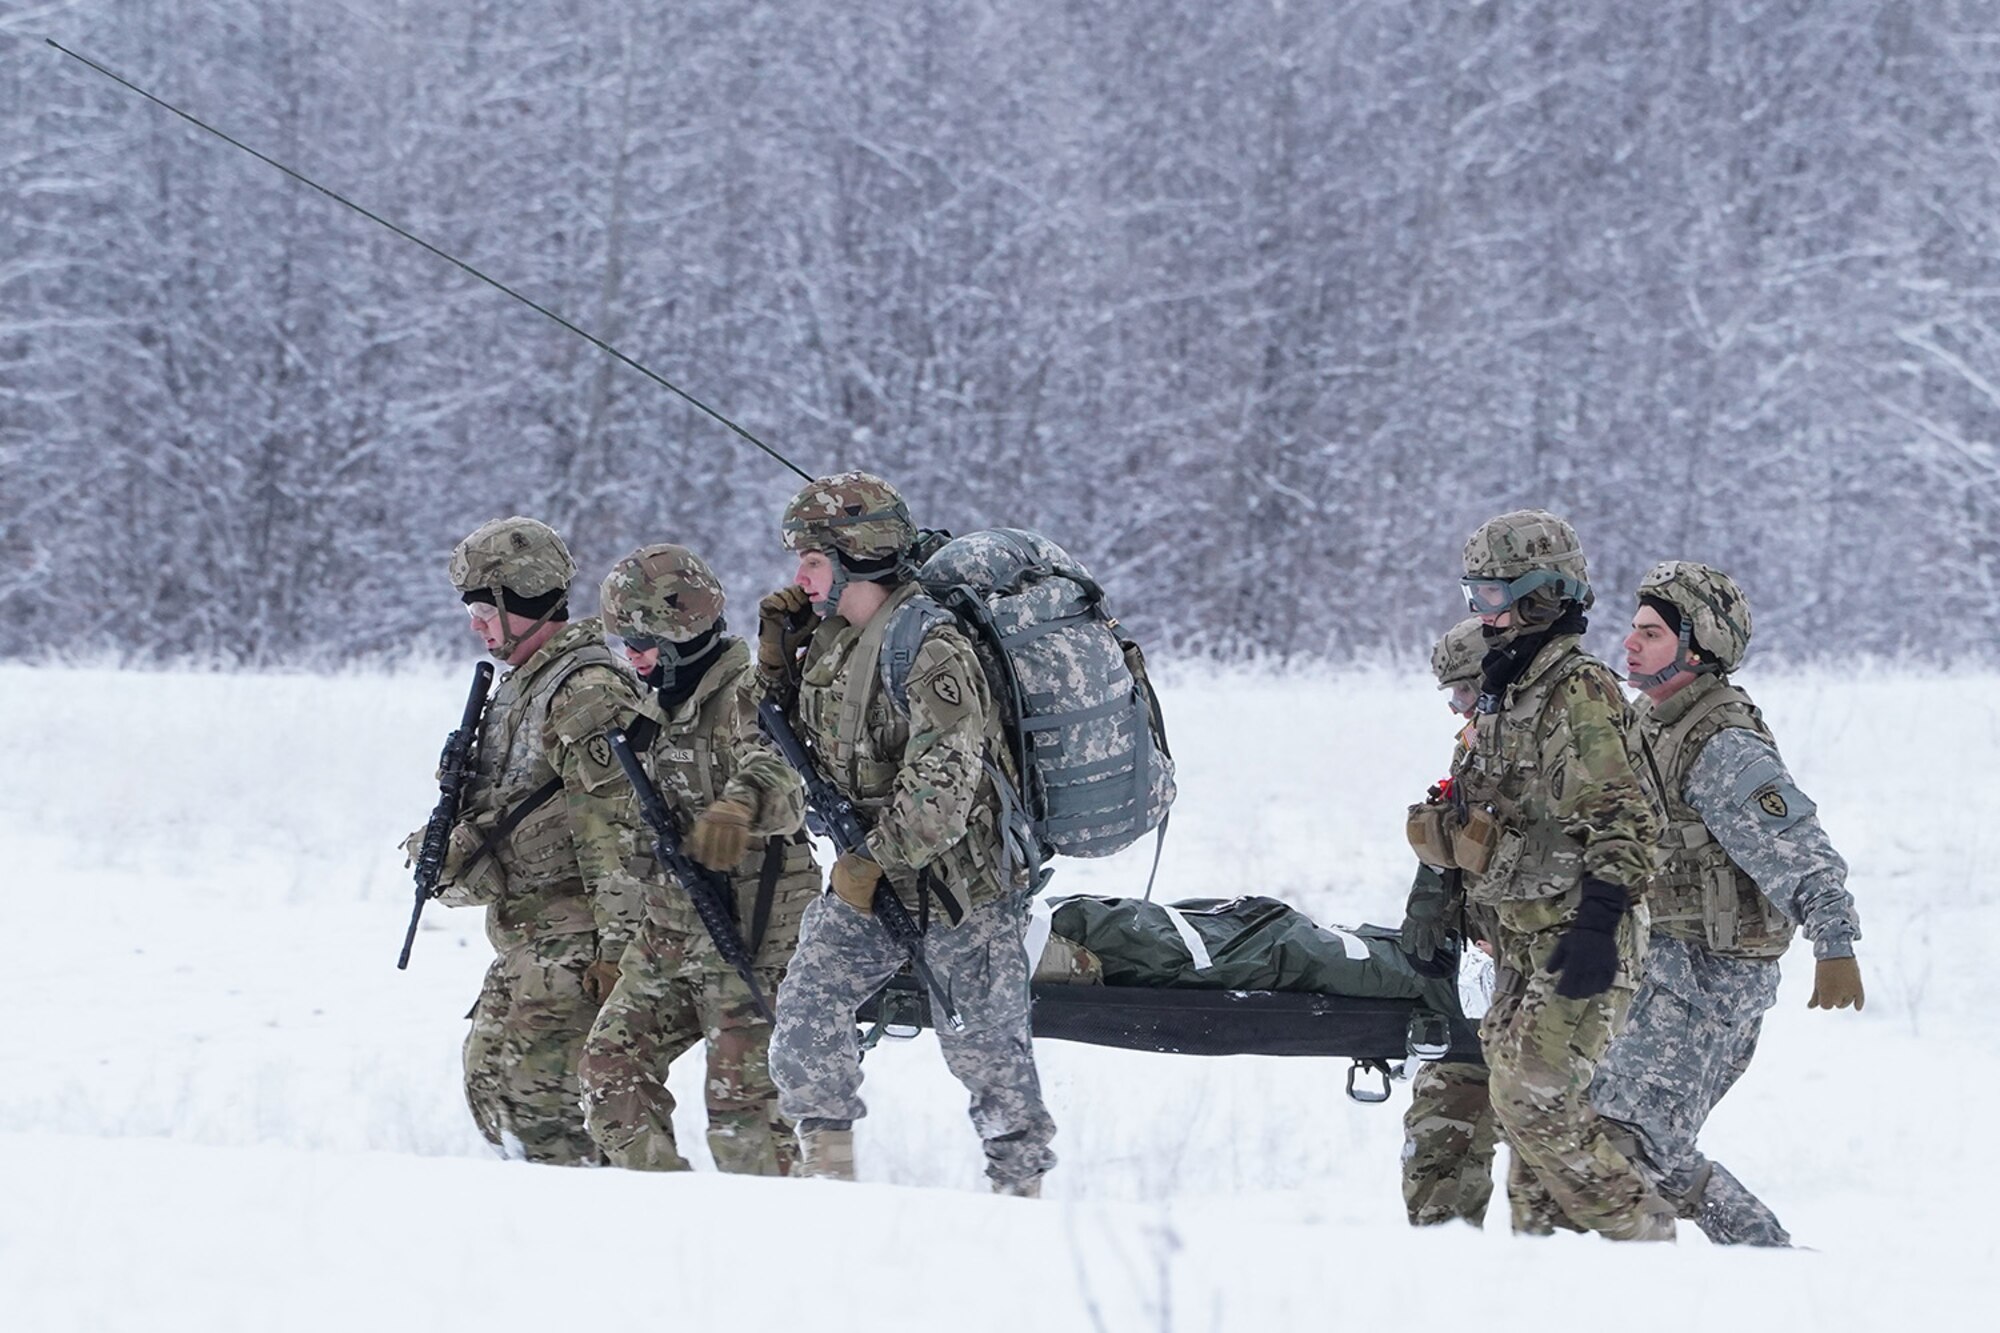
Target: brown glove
[(784, 623), (720, 834), (598, 979), (854, 880), (1836, 984)]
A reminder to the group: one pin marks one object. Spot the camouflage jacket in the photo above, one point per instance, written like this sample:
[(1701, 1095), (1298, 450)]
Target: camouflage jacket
[(920, 778), (574, 864), (1557, 765), (707, 748), (1744, 857)]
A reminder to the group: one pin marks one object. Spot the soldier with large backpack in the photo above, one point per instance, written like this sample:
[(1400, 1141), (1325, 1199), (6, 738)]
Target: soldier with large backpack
[(924, 766), (735, 805), (1744, 864)]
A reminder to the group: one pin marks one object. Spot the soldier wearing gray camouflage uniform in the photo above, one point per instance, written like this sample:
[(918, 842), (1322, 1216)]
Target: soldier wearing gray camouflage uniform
[(1553, 829), (1449, 1132), (1743, 864), (919, 770), (740, 810), (547, 841)]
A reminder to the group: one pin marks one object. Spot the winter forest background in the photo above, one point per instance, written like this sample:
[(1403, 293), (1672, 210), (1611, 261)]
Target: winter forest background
[(1258, 308)]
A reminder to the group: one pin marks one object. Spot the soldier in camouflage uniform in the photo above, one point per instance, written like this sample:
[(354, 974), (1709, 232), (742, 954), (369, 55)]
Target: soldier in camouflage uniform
[(1555, 838), (547, 841), (1744, 862), (1449, 1131), (740, 808), (919, 770)]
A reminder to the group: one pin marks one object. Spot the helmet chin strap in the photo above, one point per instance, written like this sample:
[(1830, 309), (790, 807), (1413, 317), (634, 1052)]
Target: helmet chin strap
[(510, 642), (1652, 680), (829, 606)]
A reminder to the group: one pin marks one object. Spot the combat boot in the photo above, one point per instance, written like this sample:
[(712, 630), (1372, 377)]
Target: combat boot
[(1729, 1214), (1031, 1188), (827, 1154), (1652, 1219)]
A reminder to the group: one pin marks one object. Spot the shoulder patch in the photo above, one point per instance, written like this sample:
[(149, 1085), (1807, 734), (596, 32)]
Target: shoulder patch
[(946, 688), (600, 751), (1779, 805)]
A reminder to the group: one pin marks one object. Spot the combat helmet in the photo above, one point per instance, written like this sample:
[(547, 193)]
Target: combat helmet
[(664, 597), (517, 565), (516, 554), (860, 521), (1529, 562), (1713, 612), (1457, 656)]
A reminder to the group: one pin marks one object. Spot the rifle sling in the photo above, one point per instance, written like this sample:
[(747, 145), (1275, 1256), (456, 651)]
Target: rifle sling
[(767, 889)]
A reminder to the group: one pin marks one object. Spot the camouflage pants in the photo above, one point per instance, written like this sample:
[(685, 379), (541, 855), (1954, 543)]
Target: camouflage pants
[(520, 1057), (1693, 1028), (1448, 1138), (844, 957), (1543, 1050), (674, 990)]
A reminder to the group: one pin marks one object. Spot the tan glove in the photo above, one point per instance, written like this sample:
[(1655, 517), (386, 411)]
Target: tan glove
[(1836, 984), (720, 834), (486, 884), (784, 623), (598, 979), (854, 881)]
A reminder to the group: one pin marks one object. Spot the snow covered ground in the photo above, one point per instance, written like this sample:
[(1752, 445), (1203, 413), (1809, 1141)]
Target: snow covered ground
[(221, 1107)]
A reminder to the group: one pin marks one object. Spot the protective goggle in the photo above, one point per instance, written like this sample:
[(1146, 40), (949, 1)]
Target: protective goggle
[(636, 643), (1489, 597), (482, 613)]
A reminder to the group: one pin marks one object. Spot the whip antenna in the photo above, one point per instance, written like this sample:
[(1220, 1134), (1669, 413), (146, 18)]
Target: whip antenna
[(495, 283)]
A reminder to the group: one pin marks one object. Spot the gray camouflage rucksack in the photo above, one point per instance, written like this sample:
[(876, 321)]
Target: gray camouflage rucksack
[(1091, 769)]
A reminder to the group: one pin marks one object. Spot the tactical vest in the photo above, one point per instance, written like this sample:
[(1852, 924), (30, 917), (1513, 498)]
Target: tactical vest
[(851, 724), (544, 884), (1699, 894), (692, 758), (1535, 859)]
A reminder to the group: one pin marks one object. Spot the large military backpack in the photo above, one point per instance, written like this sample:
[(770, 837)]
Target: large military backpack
[(1091, 773)]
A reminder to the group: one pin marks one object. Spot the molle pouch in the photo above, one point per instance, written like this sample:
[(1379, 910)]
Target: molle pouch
[(1429, 836), (1472, 842), (466, 881)]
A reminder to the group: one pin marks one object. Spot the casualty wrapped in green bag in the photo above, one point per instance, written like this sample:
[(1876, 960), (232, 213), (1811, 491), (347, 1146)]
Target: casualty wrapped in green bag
[(1238, 944)]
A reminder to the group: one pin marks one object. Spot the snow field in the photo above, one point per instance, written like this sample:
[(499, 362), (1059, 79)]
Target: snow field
[(222, 1107)]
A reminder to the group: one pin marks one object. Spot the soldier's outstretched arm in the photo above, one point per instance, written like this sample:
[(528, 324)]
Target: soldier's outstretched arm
[(940, 771), (1740, 787), (1600, 799), (603, 814)]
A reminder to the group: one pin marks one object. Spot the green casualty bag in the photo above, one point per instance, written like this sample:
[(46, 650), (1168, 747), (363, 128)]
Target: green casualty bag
[(1245, 944)]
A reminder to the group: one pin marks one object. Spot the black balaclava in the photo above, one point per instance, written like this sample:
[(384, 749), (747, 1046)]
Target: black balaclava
[(676, 684), (1503, 665)]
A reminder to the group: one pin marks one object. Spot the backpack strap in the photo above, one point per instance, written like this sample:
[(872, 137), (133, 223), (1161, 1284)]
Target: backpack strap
[(902, 640)]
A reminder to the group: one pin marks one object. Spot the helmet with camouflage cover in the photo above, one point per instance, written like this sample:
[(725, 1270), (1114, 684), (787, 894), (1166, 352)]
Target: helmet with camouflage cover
[(518, 554), (1714, 616), (861, 522), (518, 566), (1457, 656), (1529, 562), (661, 593), (854, 515)]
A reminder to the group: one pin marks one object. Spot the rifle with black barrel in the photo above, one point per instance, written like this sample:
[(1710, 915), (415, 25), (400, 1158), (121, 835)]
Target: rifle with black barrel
[(710, 893), (455, 769), (832, 815)]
